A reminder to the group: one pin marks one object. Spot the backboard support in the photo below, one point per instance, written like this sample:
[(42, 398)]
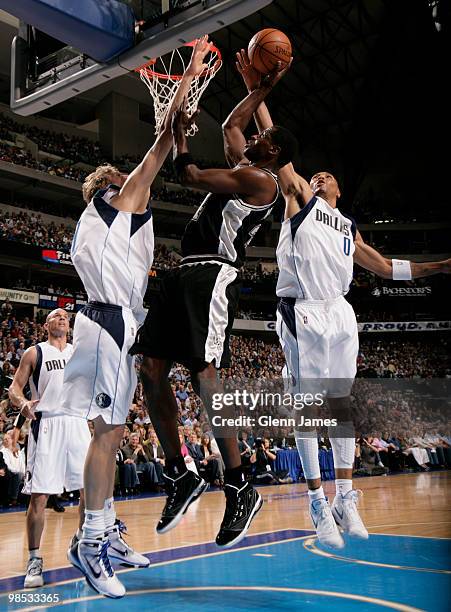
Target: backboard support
[(172, 24)]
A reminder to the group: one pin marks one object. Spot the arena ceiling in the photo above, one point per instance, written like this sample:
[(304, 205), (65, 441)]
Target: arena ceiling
[(364, 96)]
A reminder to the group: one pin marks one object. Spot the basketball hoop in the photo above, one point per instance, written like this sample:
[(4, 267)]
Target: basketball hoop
[(162, 76)]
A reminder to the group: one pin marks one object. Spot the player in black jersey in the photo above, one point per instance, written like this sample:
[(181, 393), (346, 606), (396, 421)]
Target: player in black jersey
[(191, 320)]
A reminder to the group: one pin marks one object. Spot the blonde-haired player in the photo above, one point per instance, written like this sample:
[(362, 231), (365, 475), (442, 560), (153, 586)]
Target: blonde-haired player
[(112, 251), (317, 328)]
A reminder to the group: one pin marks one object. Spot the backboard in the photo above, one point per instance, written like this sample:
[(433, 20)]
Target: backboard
[(39, 82)]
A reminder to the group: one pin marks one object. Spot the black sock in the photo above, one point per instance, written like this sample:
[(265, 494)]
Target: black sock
[(176, 466), (234, 476)]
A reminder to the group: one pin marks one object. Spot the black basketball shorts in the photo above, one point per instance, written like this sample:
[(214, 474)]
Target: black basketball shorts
[(191, 318)]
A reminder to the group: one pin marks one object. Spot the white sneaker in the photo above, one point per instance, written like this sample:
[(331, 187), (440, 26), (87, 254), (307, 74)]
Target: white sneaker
[(34, 577), (120, 551), (324, 523), (91, 558), (344, 510)]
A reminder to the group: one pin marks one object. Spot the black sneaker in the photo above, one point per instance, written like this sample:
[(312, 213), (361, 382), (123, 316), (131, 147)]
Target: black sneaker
[(241, 507), (54, 504), (181, 492)]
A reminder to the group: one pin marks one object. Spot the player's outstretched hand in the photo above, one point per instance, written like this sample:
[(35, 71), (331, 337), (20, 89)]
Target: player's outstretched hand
[(180, 120), (28, 408), (271, 79), (196, 64), (251, 77), (446, 266)]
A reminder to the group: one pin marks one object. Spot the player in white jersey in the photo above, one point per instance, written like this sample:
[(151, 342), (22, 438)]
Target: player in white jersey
[(57, 443), (317, 328), (112, 251)]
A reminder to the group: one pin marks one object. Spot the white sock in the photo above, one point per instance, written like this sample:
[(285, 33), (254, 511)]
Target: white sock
[(343, 486), (316, 494), (308, 452), (110, 513), (34, 553), (79, 534), (94, 525)]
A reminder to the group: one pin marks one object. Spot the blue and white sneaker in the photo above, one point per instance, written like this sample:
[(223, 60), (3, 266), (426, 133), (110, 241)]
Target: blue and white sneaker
[(323, 521), (346, 515), (90, 556), (34, 577), (120, 551)]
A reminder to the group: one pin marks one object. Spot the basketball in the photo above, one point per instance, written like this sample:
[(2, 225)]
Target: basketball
[(267, 48)]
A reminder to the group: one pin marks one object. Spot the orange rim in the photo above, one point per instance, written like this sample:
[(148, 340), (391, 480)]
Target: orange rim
[(147, 67)]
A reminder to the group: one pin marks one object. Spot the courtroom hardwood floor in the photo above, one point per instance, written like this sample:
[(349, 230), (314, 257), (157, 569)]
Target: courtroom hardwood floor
[(406, 504)]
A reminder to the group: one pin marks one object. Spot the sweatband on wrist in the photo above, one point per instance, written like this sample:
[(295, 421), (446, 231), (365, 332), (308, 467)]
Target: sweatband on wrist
[(401, 269), (182, 160)]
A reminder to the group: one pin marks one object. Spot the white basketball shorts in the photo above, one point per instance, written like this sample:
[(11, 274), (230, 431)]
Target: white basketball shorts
[(57, 447), (100, 377), (320, 341)]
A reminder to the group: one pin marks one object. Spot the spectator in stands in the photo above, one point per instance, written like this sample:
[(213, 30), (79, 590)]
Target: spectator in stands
[(194, 449), (155, 454), (419, 454), (4, 477), (263, 459), (370, 463), (181, 393), (440, 445), (6, 309), (142, 417), (127, 476), (245, 448), (14, 458), (421, 442), (210, 467), (135, 453), (189, 461)]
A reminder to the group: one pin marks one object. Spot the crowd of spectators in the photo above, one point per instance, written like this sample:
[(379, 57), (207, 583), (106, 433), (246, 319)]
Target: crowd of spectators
[(30, 228), (187, 197), (415, 437), (22, 157), (73, 149), (404, 359), (369, 206), (56, 143)]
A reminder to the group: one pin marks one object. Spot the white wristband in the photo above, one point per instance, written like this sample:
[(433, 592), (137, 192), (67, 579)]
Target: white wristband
[(401, 269)]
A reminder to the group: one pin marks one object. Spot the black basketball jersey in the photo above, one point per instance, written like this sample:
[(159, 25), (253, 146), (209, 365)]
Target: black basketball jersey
[(222, 227)]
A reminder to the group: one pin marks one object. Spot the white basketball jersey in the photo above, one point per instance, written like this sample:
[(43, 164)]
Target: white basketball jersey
[(315, 253), (112, 252), (46, 382)]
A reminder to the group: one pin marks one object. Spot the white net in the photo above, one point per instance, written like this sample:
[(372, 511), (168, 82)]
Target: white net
[(163, 76)]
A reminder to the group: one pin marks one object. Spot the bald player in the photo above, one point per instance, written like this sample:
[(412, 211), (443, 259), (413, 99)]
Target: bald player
[(57, 443)]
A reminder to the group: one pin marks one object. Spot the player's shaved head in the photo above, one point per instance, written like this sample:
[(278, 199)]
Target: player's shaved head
[(57, 323), (56, 312)]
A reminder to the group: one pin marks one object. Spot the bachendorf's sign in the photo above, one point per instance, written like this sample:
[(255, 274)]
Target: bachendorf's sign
[(401, 291)]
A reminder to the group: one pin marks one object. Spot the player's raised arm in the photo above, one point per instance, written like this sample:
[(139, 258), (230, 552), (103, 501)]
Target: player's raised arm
[(397, 269), (250, 182), (23, 373), (296, 190), (238, 120), (135, 193)]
